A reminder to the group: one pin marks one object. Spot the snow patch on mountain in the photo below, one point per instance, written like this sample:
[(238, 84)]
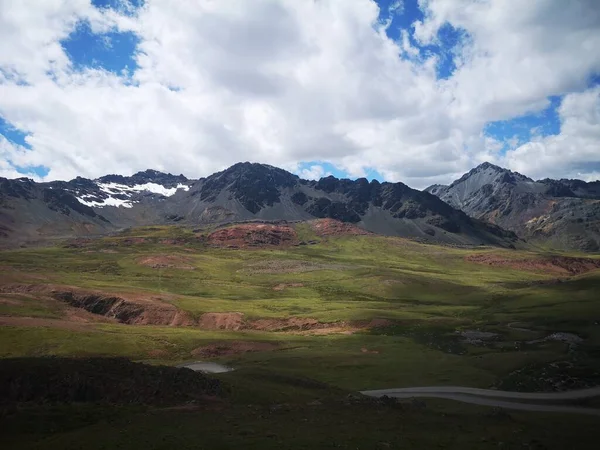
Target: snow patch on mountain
[(155, 188), (159, 189), (121, 194), (110, 201)]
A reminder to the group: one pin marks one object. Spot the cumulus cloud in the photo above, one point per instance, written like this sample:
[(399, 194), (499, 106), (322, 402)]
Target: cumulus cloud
[(518, 54), (283, 81), (313, 172), (574, 152), (7, 153)]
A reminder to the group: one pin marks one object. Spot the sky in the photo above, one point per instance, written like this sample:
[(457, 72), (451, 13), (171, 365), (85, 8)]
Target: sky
[(418, 91)]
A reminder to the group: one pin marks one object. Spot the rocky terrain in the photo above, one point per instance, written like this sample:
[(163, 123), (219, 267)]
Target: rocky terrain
[(31, 212), (562, 214), (253, 235)]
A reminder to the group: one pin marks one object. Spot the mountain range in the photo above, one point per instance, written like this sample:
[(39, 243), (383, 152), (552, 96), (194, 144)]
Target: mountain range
[(561, 214), (32, 212), (488, 205)]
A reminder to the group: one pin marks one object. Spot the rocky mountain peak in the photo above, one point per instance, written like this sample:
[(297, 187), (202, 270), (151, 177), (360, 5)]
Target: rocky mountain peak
[(563, 213), (488, 173), (258, 172), (18, 188), (253, 185), (489, 166), (147, 176)]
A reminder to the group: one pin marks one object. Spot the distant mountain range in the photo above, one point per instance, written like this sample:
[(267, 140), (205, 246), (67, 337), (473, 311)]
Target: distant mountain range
[(488, 205), (561, 214), (32, 212)]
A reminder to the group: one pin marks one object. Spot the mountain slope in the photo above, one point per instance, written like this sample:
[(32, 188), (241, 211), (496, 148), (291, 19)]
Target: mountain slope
[(242, 192), (31, 211), (563, 214), (256, 191)]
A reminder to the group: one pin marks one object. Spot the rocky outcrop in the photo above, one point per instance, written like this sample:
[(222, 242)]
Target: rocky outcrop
[(331, 227), (125, 311), (253, 235), (558, 265)]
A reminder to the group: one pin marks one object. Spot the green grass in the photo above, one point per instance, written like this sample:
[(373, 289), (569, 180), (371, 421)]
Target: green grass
[(26, 306), (430, 292), (369, 277), (329, 424)]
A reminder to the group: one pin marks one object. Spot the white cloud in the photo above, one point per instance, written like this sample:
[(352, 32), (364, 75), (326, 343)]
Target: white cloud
[(12, 155), (574, 152), (519, 53), (31, 32), (286, 81), (314, 172)]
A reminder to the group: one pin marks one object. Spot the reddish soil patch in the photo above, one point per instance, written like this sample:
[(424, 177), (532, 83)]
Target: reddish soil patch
[(148, 312), (158, 353), (233, 348), (83, 316), (166, 262), (289, 266), (25, 288), (235, 321), (10, 275), (221, 321), (41, 322), (85, 307), (379, 323), (136, 309), (254, 235), (5, 300), (332, 227), (282, 286), (558, 265), (133, 241), (292, 324), (178, 241)]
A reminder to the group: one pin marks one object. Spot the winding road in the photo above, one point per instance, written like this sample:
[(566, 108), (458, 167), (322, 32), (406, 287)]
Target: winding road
[(486, 397), (501, 399)]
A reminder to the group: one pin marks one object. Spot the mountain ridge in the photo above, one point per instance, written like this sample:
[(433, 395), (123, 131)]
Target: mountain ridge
[(244, 191), (563, 214)]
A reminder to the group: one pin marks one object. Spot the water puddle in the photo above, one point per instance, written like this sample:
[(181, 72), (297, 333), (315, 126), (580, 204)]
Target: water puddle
[(207, 367)]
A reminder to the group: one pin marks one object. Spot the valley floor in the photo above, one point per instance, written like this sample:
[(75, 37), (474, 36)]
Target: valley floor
[(306, 327)]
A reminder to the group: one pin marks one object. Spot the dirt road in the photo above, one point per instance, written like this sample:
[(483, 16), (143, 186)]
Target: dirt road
[(501, 399)]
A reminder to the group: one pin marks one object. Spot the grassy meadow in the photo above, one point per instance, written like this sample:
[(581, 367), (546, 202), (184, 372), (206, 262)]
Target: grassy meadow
[(295, 395)]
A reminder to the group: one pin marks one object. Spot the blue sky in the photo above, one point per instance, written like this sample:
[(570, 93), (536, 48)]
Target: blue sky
[(402, 17), (110, 51), (115, 52)]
